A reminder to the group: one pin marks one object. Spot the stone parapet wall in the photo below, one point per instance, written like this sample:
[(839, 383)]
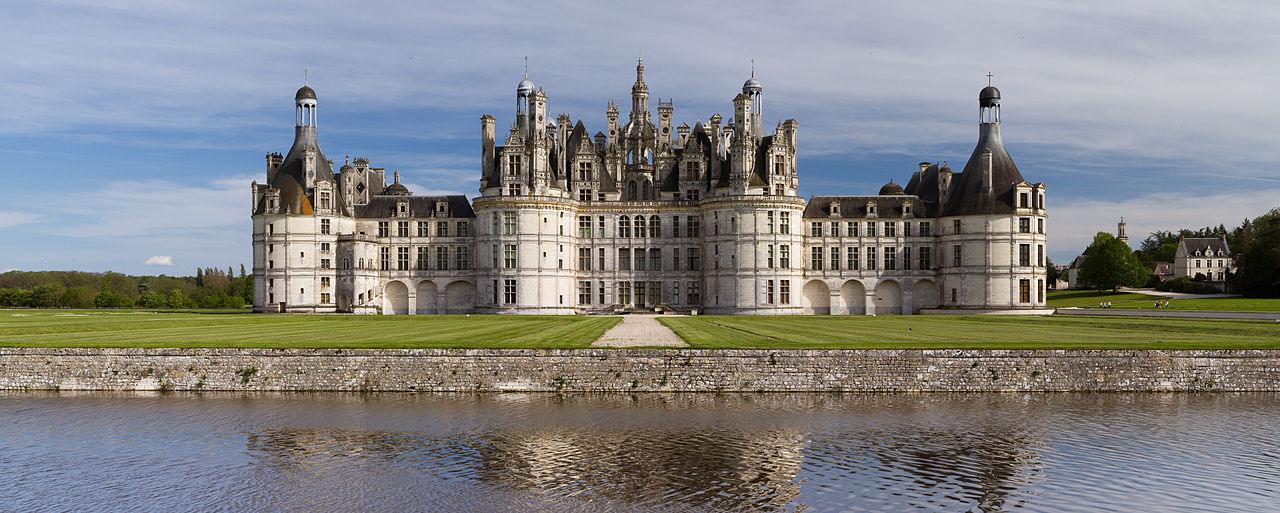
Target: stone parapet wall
[(641, 370)]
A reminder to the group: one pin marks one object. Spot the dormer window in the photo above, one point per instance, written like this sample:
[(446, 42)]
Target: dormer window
[(325, 200), (402, 207), (871, 208), (442, 207), (835, 208)]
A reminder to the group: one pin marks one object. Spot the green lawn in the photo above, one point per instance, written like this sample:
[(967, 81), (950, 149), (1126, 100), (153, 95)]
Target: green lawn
[(1133, 301), (971, 332), (97, 328)]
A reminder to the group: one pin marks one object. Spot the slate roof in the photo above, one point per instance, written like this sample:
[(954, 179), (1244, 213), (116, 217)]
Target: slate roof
[(1203, 245), (855, 207), (421, 206), (968, 195)]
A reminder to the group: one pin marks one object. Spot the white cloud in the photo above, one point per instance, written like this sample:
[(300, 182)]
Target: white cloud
[(10, 219), (1072, 224), (162, 260)]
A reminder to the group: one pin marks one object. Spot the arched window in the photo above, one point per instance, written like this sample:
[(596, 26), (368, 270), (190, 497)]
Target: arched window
[(624, 226), (655, 227), (346, 262), (640, 226), (631, 190)]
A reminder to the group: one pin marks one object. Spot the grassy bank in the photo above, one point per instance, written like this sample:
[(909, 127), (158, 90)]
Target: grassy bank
[(1136, 301), (971, 332), (124, 328)]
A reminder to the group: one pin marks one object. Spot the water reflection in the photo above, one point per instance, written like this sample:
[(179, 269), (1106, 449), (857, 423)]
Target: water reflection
[(884, 452)]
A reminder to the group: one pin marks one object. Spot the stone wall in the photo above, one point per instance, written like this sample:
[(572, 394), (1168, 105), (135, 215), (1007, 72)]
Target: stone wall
[(607, 370)]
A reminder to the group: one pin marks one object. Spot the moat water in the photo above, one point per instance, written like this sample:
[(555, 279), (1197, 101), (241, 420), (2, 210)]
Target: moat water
[(494, 453)]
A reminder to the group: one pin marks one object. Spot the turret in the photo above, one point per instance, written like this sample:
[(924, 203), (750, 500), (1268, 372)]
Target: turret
[(640, 95), (754, 91), (664, 123), (1120, 231)]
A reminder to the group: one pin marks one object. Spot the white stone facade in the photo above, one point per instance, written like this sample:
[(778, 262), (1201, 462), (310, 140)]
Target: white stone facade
[(649, 216)]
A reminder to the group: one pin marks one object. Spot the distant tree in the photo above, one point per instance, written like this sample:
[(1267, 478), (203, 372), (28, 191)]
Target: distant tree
[(1051, 273), (199, 277), (47, 295), (153, 299), (179, 299), (1257, 255), (1112, 264)]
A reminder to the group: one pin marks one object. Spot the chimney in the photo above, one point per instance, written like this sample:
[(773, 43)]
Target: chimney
[(486, 145)]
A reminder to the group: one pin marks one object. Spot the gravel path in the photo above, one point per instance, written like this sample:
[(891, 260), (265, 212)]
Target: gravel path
[(639, 331)]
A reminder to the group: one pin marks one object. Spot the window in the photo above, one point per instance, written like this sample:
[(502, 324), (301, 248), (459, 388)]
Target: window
[(624, 226), (675, 259), (955, 255), (906, 258), (675, 226), (1024, 255), (600, 260), (1024, 291), (442, 228), (1040, 289), (600, 226), (422, 259), (584, 259), (639, 261), (402, 229), (955, 226), (851, 258), (509, 256), (585, 172), (871, 259), (655, 259), (890, 259), (402, 258), (464, 229), (624, 259), (1040, 255), (953, 296), (325, 203), (835, 259), (324, 263), (890, 229), (1039, 225), (495, 291), (624, 292), (601, 296), (514, 165), (324, 247), (768, 292), (693, 229), (692, 171), (640, 226), (384, 229), (1022, 200), (462, 257), (655, 227), (695, 259), (784, 292), (926, 229), (584, 226), (784, 223), (769, 257), (509, 223), (694, 295), (784, 256), (906, 228), (442, 258), (815, 259), (385, 260), (509, 291), (424, 230), (871, 229), (584, 292), (325, 298), (815, 229), (584, 195), (324, 227), (692, 194), (924, 254), (769, 221), (1024, 225)]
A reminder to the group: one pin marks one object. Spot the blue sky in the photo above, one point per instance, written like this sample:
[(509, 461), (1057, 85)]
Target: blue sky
[(131, 130)]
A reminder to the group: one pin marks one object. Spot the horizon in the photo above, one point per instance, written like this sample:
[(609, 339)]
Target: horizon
[(135, 156)]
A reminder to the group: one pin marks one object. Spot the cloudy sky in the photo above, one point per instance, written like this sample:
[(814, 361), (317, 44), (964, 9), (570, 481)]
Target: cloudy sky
[(129, 131)]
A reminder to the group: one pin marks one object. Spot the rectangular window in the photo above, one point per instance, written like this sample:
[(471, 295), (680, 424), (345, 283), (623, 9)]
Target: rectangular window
[(509, 256), (1040, 288), (694, 228), (442, 228), (784, 292), (955, 255), (768, 292), (402, 258), (890, 259), (384, 229), (1039, 225), (325, 203), (514, 165), (324, 227), (769, 221), (925, 254), (624, 259), (1024, 291), (324, 247), (442, 258), (769, 257), (906, 228), (639, 260), (601, 296), (890, 229), (422, 259), (851, 258), (815, 259), (464, 229), (384, 262), (835, 259), (815, 228), (694, 294), (926, 229), (584, 259), (784, 256), (402, 229), (784, 223), (600, 259), (624, 292), (509, 291), (324, 263), (1022, 200), (1024, 255), (675, 259), (655, 259), (509, 223), (955, 226), (1024, 225), (1040, 255), (494, 254), (324, 298), (694, 258), (906, 258), (871, 259), (584, 292), (584, 195), (584, 226), (871, 229), (462, 257), (852, 228), (423, 230)]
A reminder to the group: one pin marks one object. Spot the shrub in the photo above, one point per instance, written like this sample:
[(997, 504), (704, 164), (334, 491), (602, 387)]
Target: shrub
[(1186, 286)]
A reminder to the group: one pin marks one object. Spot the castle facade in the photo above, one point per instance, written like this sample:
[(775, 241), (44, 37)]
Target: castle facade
[(646, 215)]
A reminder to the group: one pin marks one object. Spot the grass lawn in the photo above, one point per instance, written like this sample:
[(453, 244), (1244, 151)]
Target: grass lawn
[(971, 332), (1135, 301), (98, 328)]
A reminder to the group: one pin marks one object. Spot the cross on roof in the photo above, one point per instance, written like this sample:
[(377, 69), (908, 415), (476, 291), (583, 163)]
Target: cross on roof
[(989, 75)]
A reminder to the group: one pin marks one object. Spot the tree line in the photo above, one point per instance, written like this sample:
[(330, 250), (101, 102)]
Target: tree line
[(209, 288), (1254, 245)]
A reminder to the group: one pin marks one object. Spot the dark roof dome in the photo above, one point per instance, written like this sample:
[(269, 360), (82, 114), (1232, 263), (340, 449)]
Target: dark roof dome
[(396, 189), (989, 96), (752, 85), (305, 93), (525, 87), (891, 189)]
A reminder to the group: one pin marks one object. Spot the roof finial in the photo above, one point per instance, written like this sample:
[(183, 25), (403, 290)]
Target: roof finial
[(753, 67), (526, 66), (989, 75), (305, 77), (397, 176)]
